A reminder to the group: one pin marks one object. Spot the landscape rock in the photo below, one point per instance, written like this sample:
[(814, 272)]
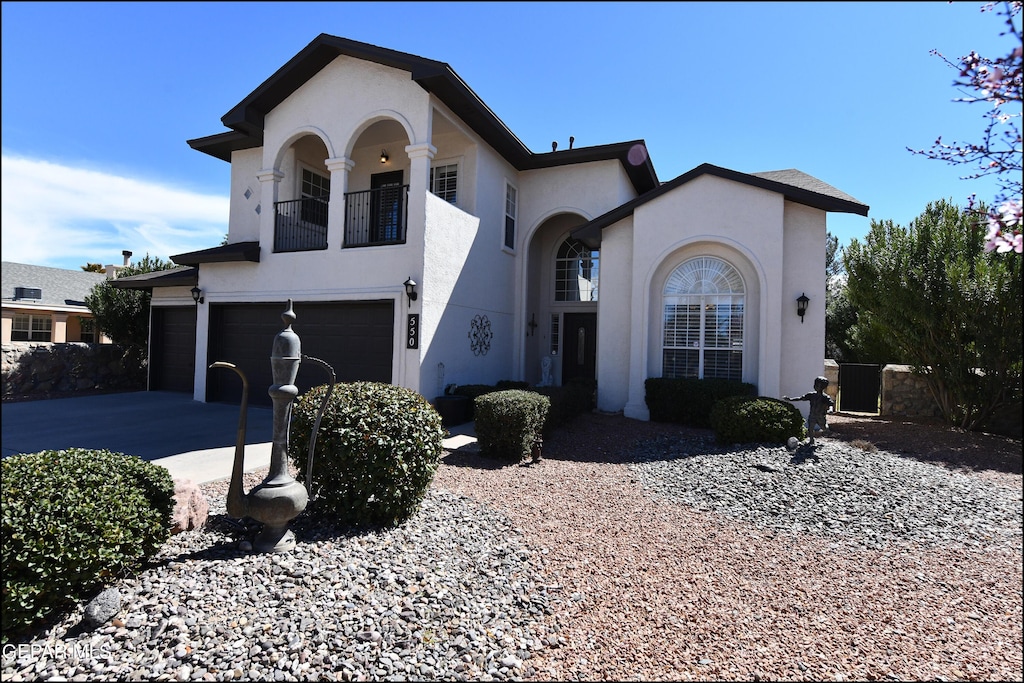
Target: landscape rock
[(191, 507)]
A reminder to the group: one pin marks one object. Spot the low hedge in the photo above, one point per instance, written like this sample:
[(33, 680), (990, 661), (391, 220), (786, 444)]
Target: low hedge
[(688, 401), (73, 520), (509, 423)]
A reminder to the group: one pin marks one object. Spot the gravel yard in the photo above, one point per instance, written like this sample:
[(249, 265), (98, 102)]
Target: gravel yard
[(632, 551)]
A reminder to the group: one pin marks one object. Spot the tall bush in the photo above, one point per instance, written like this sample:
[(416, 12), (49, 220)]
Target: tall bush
[(952, 309), (376, 451), (510, 423)]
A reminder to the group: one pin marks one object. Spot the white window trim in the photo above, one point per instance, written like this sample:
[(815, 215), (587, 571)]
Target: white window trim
[(303, 166), (745, 359), (459, 185), (515, 219)]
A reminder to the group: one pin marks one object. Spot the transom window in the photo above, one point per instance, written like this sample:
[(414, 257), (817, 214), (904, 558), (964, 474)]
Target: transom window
[(576, 272), (703, 302), (444, 181), (31, 327)]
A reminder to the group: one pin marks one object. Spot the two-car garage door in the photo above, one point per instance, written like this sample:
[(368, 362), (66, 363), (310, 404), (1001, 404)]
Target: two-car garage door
[(355, 338)]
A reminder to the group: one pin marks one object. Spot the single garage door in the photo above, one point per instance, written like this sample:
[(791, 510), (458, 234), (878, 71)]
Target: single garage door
[(173, 351), (354, 338)]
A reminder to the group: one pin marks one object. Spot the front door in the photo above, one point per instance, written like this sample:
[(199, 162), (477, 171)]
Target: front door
[(579, 355), (386, 206)]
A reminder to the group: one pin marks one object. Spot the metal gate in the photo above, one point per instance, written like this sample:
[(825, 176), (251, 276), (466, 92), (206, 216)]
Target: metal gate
[(859, 387)]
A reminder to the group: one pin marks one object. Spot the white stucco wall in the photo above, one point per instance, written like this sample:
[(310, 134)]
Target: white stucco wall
[(614, 316), (707, 216), (803, 344), (243, 221)]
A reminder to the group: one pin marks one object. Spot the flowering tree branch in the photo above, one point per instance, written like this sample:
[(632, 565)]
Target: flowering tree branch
[(998, 82)]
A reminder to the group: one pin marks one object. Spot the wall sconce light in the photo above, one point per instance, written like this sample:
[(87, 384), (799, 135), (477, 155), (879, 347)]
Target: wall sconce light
[(410, 290), (801, 306), (384, 156), (197, 295)]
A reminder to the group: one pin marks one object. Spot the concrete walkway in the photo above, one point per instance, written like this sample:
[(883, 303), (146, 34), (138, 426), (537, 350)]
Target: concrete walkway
[(193, 440)]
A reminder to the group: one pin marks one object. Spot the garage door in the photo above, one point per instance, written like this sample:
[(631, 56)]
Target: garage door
[(355, 338), (173, 352)]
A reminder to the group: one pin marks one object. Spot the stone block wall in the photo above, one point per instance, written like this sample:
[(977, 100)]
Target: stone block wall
[(905, 394), (46, 367)]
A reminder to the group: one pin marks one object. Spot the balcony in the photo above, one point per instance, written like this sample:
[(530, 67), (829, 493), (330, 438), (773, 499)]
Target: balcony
[(300, 224), (372, 217), (375, 217)]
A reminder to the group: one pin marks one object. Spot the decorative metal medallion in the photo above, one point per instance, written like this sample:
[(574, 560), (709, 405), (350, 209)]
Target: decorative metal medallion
[(480, 335)]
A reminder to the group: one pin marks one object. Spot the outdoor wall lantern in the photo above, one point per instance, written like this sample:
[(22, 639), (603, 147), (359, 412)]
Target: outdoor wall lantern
[(410, 290), (197, 295), (801, 306), (384, 156)]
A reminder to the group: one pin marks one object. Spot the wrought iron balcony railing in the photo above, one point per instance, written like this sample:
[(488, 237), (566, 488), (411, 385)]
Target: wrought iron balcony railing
[(374, 217), (300, 224)]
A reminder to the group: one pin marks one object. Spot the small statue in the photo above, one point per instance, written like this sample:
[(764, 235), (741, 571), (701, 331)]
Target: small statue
[(821, 404), (545, 371)]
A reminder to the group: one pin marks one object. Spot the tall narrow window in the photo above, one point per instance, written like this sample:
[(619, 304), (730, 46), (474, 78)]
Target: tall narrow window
[(703, 305), (316, 190), (88, 326), (444, 182), (554, 334), (576, 272), (511, 208)]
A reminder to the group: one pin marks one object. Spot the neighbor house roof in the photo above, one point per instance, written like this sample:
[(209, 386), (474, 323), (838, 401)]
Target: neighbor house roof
[(246, 119), (795, 185), (46, 288)]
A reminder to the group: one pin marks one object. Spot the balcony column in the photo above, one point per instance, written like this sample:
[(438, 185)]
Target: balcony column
[(339, 168), (420, 156), (270, 179)]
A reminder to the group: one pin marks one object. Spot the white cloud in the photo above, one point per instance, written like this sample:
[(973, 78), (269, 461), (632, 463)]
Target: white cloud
[(65, 217)]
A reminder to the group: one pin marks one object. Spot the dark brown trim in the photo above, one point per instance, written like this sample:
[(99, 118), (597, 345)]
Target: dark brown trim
[(182, 276), (226, 253), (246, 119), (590, 234)]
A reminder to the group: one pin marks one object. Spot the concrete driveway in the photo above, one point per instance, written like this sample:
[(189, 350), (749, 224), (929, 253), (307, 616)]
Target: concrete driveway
[(194, 440)]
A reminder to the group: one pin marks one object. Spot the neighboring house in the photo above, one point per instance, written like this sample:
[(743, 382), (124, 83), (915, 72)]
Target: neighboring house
[(43, 304), (357, 169)]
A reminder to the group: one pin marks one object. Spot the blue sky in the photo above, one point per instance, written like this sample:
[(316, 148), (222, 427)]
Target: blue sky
[(99, 98)]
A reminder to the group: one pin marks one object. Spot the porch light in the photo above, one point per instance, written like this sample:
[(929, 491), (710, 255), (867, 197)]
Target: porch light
[(197, 295), (801, 306), (410, 290), (384, 156)]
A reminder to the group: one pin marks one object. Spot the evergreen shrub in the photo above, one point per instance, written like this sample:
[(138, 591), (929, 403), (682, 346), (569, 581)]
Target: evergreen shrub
[(510, 422), (760, 419), (376, 451), (73, 520), (688, 401)]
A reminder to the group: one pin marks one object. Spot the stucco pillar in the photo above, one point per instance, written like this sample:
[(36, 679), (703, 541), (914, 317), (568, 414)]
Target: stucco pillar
[(8, 326), (420, 156), (269, 180), (339, 168), (60, 328)]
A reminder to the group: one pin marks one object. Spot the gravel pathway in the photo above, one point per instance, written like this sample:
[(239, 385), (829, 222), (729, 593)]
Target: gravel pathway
[(631, 552)]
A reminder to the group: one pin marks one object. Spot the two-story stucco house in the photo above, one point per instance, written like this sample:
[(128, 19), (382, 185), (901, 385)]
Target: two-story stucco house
[(360, 175)]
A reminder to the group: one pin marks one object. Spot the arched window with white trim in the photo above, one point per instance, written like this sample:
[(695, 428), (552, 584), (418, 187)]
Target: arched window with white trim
[(576, 271), (703, 303)]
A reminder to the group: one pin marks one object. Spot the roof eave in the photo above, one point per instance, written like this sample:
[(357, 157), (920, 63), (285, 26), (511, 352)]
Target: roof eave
[(227, 253)]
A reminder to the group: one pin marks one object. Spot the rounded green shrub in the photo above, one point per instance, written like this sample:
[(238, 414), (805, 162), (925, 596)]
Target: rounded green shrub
[(509, 422), (72, 521), (376, 451), (760, 419)]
